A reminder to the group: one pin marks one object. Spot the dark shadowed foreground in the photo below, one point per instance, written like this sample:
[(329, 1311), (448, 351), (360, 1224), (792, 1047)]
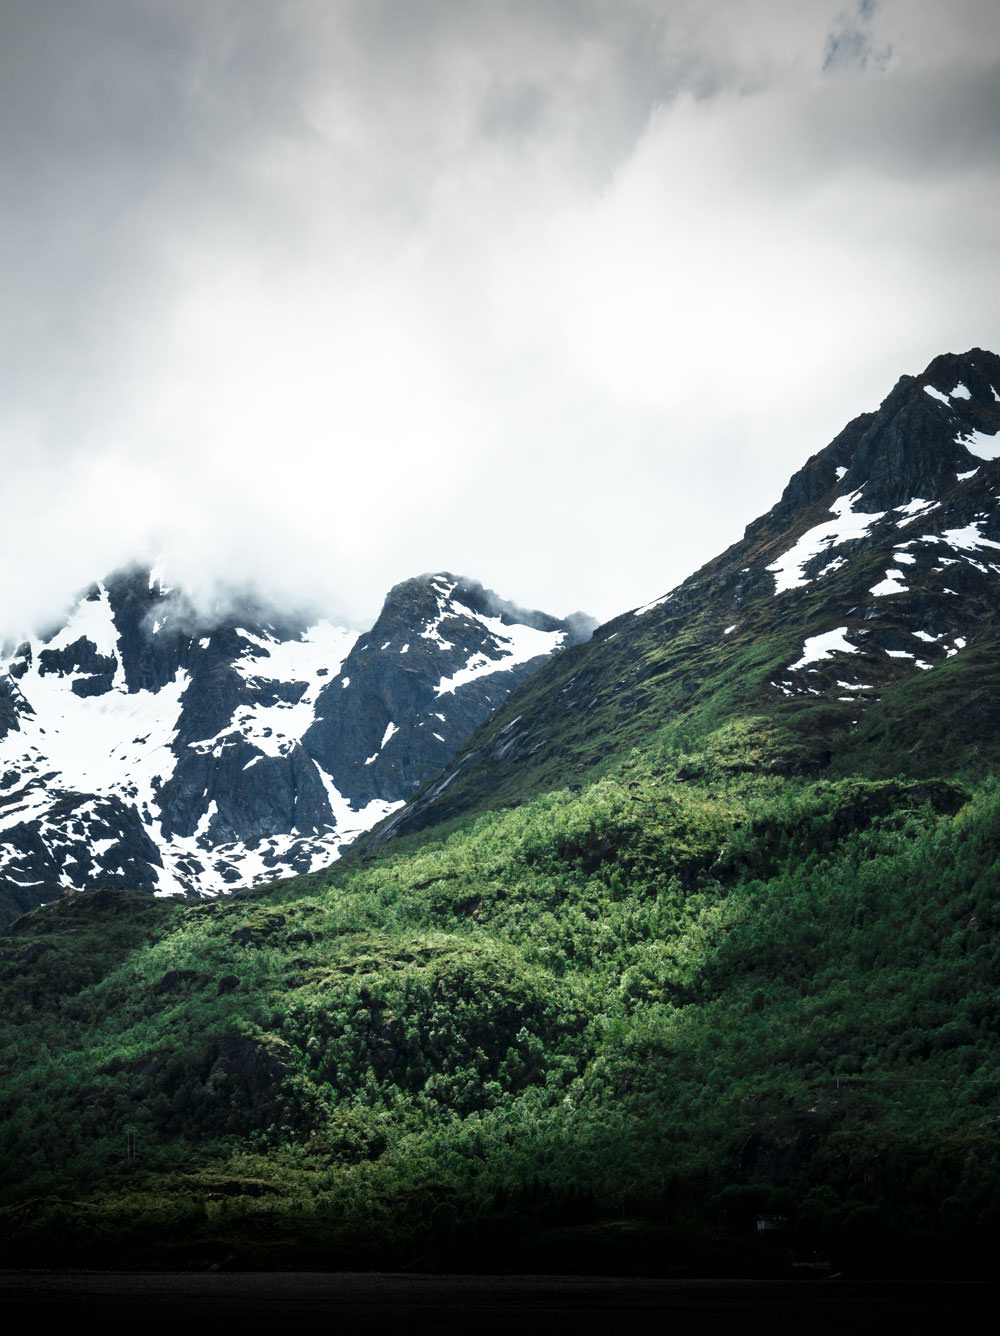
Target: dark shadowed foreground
[(380, 1301)]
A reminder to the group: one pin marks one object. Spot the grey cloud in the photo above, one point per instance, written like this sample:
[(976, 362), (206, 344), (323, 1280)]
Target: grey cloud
[(850, 47), (932, 125), (324, 290)]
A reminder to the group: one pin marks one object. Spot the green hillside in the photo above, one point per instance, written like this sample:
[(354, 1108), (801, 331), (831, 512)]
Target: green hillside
[(608, 1028)]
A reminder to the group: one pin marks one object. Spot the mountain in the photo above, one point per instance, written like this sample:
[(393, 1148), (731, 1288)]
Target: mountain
[(858, 618), (698, 933), (147, 746)]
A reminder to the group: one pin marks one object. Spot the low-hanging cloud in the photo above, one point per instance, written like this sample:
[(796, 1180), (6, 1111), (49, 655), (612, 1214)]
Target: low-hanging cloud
[(317, 296)]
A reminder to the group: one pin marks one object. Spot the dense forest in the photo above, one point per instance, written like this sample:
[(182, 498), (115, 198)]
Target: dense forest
[(696, 1017)]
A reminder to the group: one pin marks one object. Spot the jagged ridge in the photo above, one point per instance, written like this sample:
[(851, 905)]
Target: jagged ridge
[(145, 745)]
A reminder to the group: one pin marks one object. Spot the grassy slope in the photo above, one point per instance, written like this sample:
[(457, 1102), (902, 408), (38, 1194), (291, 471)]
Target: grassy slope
[(718, 651), (604, 1028)]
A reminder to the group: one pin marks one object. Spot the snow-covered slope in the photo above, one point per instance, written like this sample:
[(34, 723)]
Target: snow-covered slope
[(900, 555), (143, 746), (884, 550)]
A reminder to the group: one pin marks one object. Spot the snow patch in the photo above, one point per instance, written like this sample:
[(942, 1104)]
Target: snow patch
[(350, 822), (515, 645), (319, 652), (848, 524), (157, 580), (916, 507), (106, 745), (831, 566), (966, 539), (982, 444), (205, 820), (656, 603), (892, 584), (824, 647), (272, 729), (91, 619)]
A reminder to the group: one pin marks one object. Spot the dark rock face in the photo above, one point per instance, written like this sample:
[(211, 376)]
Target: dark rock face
[(62, 852), (95, 671), (11, 705), (144, 744), (399, 708), (911, 447)]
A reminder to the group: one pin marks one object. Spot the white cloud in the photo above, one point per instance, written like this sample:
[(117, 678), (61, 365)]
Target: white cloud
[(329, 294)]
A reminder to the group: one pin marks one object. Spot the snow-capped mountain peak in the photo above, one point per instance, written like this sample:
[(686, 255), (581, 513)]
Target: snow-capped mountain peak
[(143, 745)]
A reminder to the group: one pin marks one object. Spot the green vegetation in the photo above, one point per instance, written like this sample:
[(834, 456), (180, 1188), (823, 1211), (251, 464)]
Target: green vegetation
[(606, 1028)]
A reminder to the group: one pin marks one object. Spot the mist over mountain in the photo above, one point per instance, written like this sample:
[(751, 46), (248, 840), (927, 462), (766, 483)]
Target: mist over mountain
[(147, 743)]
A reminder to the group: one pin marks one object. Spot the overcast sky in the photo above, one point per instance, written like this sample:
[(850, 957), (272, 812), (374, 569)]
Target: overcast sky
[(552, 293)]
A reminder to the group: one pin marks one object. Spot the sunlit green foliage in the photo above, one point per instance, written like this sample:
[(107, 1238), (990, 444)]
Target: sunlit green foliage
[(689, 992)]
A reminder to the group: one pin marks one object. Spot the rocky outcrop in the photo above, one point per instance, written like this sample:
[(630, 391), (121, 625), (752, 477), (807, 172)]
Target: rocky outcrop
[(911, 447), (442, 656)]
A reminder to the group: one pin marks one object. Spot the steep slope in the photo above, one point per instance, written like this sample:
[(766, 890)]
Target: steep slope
[(858, 617), (144, 746)]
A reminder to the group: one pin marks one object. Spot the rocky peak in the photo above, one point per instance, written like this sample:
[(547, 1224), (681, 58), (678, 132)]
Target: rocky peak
[(442, 655), (922, 436), (919, 440)]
